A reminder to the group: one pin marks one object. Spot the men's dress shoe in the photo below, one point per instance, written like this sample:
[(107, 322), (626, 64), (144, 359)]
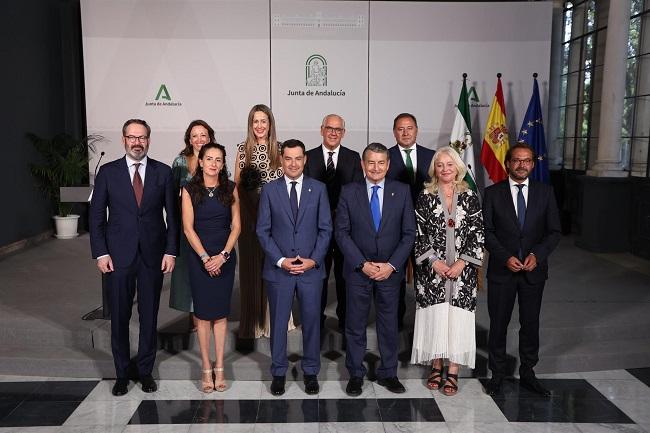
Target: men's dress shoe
[(493, 387), (532, 384), (392, 384), (148, 384), (277, 386), (311, 384), (354, 388), (121, 387)]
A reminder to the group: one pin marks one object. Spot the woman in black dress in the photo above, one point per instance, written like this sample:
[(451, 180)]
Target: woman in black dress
[(211, 225)]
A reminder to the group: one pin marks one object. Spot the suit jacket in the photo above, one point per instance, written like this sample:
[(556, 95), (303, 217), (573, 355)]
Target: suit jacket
[(397, 169), (348, 169), (281, 236), (503, 236), (128, 228), (355, 231)]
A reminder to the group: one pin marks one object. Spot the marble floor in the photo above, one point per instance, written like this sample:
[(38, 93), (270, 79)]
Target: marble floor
[(589, 402)]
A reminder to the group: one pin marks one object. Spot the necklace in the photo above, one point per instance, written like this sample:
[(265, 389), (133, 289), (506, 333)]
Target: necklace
[(211, 190)]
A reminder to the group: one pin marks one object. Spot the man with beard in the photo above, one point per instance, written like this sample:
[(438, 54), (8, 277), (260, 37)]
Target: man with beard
[(133, 246), (522, 228)]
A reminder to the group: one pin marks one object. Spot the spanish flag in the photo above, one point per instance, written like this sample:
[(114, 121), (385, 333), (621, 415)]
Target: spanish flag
[(495, 140)]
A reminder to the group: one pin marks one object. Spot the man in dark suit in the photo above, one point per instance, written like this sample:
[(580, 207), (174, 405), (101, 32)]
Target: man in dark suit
[(409, 164), (294, 227), (375, 229), (133, 246), (335, 166), (522, 228)]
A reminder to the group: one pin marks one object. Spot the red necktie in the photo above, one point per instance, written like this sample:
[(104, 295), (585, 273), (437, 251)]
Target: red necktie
[(138, 188)]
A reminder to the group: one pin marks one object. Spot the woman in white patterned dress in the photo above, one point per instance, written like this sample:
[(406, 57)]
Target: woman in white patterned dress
[(257, 163)]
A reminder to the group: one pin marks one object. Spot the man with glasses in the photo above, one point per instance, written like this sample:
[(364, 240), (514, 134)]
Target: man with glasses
[(134, 247), (410, 165), (522, 228), (335, 166)]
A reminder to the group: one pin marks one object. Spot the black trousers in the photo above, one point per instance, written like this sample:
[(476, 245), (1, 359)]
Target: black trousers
[(501, 301), (334, 258)]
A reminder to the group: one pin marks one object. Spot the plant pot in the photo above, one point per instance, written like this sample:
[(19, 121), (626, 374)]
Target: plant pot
[(66, 227)]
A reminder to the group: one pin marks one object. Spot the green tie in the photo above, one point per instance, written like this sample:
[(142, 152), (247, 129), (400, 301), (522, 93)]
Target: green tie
[(409, 165)]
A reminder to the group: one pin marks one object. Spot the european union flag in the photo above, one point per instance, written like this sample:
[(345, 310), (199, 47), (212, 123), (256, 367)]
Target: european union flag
[(532, 133)]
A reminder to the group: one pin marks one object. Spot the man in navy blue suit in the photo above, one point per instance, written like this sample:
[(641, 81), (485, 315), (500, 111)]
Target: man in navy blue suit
[(522, 228), (375, 229), (294, 227), (133, 246), (409, 164)]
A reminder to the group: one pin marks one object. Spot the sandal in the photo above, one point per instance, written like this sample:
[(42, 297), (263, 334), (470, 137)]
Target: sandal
[(219, 384), (451, 385), (434, 381), (207, 386)]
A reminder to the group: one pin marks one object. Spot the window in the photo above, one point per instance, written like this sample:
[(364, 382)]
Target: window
[(581, 80), (635, 131)]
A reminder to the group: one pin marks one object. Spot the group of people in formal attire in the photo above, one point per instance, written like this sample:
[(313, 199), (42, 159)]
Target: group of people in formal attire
[(295, 215)]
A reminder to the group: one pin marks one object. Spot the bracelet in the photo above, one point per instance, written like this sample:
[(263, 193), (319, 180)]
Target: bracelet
[(204, 256)]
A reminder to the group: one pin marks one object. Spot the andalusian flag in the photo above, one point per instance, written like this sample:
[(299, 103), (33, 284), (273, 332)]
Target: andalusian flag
[(461, 134), (495, 140)]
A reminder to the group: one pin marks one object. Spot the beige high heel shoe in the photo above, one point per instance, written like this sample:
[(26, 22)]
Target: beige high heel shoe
[(220, 385), (207, 386)]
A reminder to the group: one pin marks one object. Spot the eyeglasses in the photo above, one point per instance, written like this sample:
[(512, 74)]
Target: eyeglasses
[(337, 131), (526, 161), (133, 138)]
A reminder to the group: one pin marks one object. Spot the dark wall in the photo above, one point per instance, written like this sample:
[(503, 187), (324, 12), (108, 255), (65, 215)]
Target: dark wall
[(42, 92)]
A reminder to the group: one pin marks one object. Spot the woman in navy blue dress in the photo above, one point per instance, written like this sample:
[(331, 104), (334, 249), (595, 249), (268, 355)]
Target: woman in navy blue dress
[(211, 225)]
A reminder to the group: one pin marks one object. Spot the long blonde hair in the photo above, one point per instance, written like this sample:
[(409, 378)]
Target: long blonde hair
[(273, 148), (459, 184)]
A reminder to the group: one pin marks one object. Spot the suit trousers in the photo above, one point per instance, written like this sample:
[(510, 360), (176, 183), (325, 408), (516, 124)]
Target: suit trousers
[(280, 296), (334, 258), (501, 300), (123, 284), (359, 297)]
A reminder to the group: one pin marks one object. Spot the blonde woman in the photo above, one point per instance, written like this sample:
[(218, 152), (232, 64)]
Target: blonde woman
[(448, 251)]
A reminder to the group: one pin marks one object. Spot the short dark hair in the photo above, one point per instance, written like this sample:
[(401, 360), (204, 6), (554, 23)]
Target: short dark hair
[(377, 148), (137, 122), (291, 143), (520, 145), (405, 115)]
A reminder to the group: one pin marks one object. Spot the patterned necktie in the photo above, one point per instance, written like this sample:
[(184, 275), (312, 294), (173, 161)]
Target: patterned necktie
[(293, 200), (409, 166), (138, 187), (521, 206), (374, 207), (330, 171)]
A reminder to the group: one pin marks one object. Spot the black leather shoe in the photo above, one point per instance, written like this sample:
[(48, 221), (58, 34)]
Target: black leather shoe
[(311, 384), (392, 384), (121, 387), (277, 386), (532, 384), (493, 387), (354, 388), (148, 384)]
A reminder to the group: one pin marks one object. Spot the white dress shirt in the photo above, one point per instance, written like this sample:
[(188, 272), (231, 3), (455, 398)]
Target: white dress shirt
[(335, 155), (413, 154), (514, 191), (130, 162)]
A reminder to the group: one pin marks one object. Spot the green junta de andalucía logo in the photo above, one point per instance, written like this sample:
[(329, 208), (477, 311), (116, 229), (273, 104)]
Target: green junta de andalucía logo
[(316, 71), (163, 93)]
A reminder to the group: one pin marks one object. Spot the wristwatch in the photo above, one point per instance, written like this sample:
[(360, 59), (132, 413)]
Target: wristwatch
[(225, 254)]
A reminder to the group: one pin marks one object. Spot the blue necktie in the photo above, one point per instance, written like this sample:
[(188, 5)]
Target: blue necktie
[(293, 199), (521, 206), (374, 207)]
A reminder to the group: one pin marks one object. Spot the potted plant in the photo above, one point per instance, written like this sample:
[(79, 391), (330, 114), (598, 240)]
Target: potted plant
[(64, 163)]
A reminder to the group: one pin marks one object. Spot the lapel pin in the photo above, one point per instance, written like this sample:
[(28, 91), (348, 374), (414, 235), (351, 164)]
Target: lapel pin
[(392, 194), (309, 190)]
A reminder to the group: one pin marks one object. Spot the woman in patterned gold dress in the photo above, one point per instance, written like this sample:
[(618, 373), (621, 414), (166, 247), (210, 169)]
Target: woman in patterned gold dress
[(448, 251), (257, 163)]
